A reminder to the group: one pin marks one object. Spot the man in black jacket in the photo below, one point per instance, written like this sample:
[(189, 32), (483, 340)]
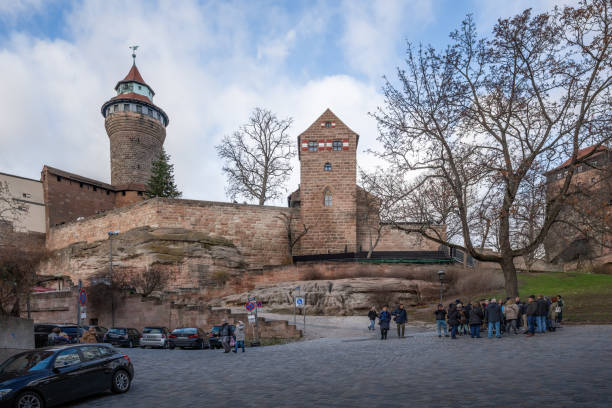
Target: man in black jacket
[(476, 317), (400, 319), (372, 315), (494, 318), (542, 314), (225, 331), (440, 314), (531, 311)]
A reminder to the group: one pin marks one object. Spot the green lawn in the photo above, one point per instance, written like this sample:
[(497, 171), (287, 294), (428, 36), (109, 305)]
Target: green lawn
[(587, 297)]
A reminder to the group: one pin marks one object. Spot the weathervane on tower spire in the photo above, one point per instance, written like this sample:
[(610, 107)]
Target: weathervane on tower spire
[(134, 48)]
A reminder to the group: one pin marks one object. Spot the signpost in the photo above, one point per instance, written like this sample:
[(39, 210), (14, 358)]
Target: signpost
[(299, 302), (250, 306), (81, 304)]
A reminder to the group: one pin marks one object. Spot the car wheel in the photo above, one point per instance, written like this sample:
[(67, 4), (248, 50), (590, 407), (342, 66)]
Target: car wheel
[(29, 399), (121, 382)]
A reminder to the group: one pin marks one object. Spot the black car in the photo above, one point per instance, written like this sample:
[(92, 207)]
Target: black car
[(42, 331), (214, 339), (56, 375), (188, 337), (100, 332), (122, 336)]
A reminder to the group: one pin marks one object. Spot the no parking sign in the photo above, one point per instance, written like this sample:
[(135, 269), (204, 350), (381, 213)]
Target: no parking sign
[(250, 306)]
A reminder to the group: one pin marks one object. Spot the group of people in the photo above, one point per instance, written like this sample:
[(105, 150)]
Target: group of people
[(384, 318), (232, 338), (537, 315)]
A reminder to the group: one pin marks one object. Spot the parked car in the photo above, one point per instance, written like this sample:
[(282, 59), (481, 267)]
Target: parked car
[(154, 336), (213, 337), (42, 330), (122, 336), (55, 375), (188, 337), (100, 332)]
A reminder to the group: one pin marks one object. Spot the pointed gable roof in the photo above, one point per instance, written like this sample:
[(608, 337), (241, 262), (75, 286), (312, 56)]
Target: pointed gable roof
[(134, 76), (328, 116)]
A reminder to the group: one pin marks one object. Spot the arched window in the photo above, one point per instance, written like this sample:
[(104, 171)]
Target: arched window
[(327, 198), (327, 167)]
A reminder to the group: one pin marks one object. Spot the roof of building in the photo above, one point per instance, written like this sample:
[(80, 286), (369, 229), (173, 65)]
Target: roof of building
[(78, 178), (582, 154), (132, 95), (134, 76)]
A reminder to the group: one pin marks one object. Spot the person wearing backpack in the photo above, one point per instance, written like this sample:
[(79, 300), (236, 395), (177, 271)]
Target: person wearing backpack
[(400, 319), (440, 314), (453, 319), (384, 319)]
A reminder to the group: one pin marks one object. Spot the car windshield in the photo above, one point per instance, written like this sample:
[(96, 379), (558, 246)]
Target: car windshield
[(24, 363), (215, 329), (72, 331), (185, 331), (117, 331), (153, 330)]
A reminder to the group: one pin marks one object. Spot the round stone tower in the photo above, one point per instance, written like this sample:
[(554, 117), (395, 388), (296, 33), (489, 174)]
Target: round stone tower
[(136, 129)]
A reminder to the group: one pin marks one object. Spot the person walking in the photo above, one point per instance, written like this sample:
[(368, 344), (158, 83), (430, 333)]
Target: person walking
[(511, 312), (372, 315), (226, 333), (440, 314), (494, 319), (400, 319), (542, 313), (240, 335), (532, 315), (89, 336), (453, 320), (476, 318), (552, 313), (383, 321)]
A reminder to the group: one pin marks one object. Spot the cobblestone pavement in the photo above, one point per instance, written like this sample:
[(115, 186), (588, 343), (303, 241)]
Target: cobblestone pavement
[(569, 368)]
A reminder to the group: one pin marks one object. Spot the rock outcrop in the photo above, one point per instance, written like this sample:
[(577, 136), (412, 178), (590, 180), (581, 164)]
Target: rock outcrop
[(339, 296), (194, 260)]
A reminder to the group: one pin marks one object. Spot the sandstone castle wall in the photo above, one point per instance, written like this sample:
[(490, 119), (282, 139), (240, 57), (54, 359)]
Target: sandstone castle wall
[(258, 232)]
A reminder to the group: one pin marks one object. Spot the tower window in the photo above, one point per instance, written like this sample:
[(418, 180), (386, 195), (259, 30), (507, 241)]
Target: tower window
[(115, 108), (313, 146), (126, 107), (59, 178), (327, 198), (139, 87), (95, 188), (81, 185), (107, 192), (337, 145), (123, 193), (327, 167), (138, 108), (328, 125)]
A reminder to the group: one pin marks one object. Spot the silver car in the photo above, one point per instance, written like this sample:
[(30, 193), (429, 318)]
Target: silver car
[(154, 336)]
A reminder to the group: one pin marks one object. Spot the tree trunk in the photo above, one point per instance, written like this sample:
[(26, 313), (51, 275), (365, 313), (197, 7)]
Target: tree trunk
[(510, 279)]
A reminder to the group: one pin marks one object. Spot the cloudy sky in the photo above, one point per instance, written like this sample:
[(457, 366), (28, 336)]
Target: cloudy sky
[(210, 64)]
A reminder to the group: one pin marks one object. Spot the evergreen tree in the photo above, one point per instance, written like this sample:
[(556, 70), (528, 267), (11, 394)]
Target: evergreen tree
[(161, 183)]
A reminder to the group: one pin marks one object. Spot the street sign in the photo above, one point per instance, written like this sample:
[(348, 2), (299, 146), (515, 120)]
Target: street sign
[(83, 315), (251, 319), (259, 305), (250, 306), (82, 297), (299, 301)]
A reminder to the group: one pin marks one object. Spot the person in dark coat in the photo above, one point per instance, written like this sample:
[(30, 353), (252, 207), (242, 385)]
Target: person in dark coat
[(476, 318), (531, 311), (522, 319), (372, 315), (494, 318), (226, 333), (453, 319), (383, 321), (400, 319), (542, 314), (440, 314)]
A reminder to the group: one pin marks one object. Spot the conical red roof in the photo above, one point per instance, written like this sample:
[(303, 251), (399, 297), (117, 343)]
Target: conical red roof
[(134, 75)]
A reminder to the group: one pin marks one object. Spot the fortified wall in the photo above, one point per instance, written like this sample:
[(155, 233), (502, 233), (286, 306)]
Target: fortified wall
[(258, 232)]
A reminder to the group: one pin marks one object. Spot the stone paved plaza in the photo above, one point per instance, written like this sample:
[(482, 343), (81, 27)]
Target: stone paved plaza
[(569, 368)]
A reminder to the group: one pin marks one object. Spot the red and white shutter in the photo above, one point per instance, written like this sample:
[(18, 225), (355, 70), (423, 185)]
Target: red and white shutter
[(321, 144), (328, 144), (345, 144), (322, 124), (333, 124), (304, 146)]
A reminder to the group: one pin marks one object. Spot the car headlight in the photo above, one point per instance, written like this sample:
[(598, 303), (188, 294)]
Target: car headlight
[(4, 392)]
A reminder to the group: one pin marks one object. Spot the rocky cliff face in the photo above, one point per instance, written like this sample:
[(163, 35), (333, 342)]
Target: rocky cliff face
[(194, 260), (339, 296)]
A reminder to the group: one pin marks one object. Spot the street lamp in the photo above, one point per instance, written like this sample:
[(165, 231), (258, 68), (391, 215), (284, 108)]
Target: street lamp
[(441, 277), (111, 234)]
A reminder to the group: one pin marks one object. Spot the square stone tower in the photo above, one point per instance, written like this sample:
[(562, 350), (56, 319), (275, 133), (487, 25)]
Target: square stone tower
[(328, 173)]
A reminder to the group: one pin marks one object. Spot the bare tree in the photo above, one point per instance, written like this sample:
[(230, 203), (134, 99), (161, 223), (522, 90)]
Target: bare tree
[(483, 115), (17, 276), (10, 209), (149, 279), (257, 157), (369, 209), (294, 231)]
